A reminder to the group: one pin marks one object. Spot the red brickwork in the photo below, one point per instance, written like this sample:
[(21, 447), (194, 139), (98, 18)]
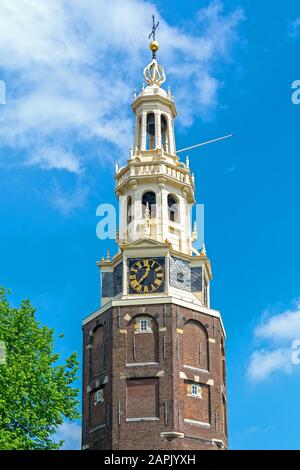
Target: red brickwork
[(195, 345), (142, 397), (150, 380), (142, 347), (196, 408)]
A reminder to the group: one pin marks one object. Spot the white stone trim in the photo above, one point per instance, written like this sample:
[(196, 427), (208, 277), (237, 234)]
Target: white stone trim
[(172, 434), (197, 423), (132, 420), (98, 427), (152, 300), (139, 364), (196, 368)]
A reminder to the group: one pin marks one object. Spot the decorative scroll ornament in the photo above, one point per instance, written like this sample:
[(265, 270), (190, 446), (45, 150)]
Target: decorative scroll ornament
[(154, 73)]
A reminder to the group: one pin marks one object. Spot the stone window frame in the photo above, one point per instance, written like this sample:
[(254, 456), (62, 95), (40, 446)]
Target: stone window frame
[(194, 390), (137, 327), (99, 396), (144, 326)]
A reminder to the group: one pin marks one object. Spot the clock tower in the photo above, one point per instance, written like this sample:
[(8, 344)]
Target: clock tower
[(154, 352)]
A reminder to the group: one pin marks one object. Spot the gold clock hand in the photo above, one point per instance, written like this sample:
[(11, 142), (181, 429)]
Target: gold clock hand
[(145, 275)]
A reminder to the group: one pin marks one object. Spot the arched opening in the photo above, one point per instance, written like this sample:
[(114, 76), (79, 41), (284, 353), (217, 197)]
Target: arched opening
[(150, 137), (173, 207), (195, 345), (129, 210), (149, 198), (139, 133), (164, 133), (98, 351), (142, 340)]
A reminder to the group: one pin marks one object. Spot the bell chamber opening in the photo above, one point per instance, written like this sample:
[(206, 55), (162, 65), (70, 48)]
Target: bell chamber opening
[(150, 138)]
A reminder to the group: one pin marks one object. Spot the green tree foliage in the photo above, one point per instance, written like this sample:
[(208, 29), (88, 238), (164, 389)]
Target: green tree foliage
[(36, 393)]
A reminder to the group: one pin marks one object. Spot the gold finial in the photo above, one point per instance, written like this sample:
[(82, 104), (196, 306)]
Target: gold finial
[(154, 46)]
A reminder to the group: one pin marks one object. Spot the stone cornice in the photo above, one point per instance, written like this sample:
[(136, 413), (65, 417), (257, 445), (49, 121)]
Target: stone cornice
[(140, 300)]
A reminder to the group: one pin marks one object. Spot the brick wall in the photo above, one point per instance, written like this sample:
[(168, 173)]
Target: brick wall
[(196, 408), (195, 345), (142, 397), (142, 347), (159, 387)]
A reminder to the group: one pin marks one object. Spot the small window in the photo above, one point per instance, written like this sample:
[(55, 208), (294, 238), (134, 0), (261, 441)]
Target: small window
[(180, 277), (195, 390), (150, 139), (139, 133), (99, 397), (144, 325), (173, 207), (129, 210), (164, 134)]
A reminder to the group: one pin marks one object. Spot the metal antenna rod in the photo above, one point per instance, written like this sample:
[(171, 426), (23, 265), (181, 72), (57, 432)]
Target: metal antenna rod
[(205, 143)]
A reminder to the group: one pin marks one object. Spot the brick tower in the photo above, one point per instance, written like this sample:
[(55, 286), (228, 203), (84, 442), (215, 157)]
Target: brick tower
[(154, 353)]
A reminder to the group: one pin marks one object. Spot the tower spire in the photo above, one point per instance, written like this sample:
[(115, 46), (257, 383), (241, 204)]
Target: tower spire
[(154, 44), (154, 73)]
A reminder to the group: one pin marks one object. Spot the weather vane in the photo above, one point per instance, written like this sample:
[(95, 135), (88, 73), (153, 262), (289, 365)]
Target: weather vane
[(154, 44), (154, 28)]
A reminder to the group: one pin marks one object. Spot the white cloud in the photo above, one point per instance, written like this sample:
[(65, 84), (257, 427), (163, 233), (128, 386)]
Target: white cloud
[(294, 28), (50, 157), (264, 363), (257, 429), (285, 326), (279, 331), (70, 433), (70, 70)]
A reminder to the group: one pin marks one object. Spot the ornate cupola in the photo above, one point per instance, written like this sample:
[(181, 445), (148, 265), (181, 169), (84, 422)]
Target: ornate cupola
[(155, 189), (154, 354)]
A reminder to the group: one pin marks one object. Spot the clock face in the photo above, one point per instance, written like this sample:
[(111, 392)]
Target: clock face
[(146, 275)]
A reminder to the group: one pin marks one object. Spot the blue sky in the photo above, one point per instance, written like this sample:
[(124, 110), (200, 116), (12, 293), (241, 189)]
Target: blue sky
[(70, 77)]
